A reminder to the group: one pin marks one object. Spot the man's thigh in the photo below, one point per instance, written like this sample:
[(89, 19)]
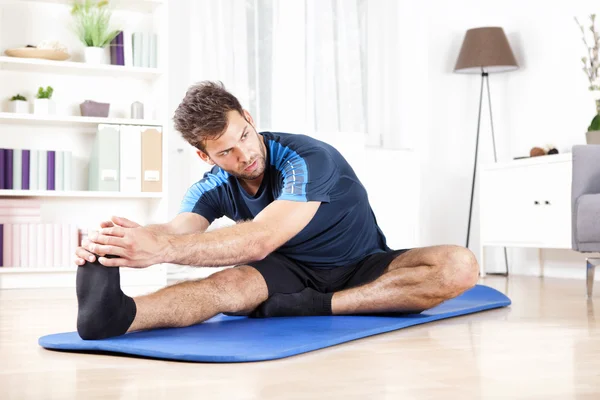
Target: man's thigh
[(431, 256), (284, 275), (241, 288)]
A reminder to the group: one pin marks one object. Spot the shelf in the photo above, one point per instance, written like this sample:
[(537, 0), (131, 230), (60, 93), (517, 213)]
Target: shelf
[(68, 67), (147, 6), (34, 270), (57, 120), (80, 194)]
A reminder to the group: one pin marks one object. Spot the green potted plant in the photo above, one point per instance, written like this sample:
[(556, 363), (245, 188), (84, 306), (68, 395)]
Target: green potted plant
[(19, 104), (43, 103), (591, 67), (92, 25)]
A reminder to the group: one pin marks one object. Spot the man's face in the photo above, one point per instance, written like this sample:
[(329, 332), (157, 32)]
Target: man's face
[(240, 150)]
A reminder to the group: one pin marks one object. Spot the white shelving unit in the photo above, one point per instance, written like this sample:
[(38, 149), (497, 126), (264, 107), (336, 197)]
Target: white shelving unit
[(25, 22), (58, 120), (80, 194), (72, 67)]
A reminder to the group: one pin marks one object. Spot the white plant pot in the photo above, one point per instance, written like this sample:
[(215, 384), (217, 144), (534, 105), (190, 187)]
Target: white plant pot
[(94, 55), (43, 107), (19, 107)]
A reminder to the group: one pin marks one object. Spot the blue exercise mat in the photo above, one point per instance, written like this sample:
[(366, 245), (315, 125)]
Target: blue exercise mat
[(241, 339)]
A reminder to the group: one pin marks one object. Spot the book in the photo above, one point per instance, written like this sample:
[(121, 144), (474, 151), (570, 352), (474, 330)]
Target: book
[(34, 256), (104, 160), (130, 158), (1, 245), (16, 245), (50, 170), (34, 170), (59, 171), (8, 168), (151, 159), (67, 168), (117, 56), (42, 260), (17, 169), (7, 245), (3, 172), (138, 49), (25, 169), (24, 246)]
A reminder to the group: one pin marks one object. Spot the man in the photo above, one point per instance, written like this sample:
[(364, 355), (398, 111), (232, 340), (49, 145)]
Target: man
[(306, 241)]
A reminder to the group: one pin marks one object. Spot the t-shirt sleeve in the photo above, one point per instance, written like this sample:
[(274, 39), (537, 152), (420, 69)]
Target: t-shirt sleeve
[(202, 198), (309, 176)]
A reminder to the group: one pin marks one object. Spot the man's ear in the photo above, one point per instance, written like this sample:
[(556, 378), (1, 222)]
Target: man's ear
[(204, 157)]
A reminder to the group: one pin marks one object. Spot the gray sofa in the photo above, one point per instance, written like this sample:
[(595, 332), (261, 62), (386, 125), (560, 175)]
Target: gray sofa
[(585, 205)]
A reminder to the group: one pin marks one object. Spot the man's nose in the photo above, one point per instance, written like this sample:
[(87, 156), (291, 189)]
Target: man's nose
[(243, 155)]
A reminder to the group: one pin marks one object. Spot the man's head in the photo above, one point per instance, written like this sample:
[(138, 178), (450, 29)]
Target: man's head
[(212, 120)]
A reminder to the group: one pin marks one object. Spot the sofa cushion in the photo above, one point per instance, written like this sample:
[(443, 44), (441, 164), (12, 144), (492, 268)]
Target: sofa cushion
[(588, 218)]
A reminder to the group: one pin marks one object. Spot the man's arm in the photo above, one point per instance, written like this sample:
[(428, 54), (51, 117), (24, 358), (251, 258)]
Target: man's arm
[(183, 224), (242, 243), (245, 242)]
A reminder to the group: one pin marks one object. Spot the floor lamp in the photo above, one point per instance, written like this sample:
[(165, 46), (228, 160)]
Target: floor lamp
[(484, 50)]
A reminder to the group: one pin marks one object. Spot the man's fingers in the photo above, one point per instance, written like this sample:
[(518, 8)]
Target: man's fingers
[(114, 262), (83, 254), (124, 222), (106, 224), (116, 231), (106, 239), (102, 250)]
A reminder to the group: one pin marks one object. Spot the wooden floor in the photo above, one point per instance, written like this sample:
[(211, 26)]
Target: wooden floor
[(545, 346)]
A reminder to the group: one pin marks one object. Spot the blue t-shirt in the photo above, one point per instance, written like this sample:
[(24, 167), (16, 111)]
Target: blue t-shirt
[(299, 168)]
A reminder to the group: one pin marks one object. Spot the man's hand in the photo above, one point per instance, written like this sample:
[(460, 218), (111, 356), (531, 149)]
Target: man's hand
[(136, 247), (82, 254)]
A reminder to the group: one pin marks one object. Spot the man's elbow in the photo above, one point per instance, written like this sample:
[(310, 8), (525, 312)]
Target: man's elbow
[(265, 244), (261, 251)]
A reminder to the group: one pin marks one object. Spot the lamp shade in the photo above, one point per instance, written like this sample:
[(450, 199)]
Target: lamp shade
[(485, 49)]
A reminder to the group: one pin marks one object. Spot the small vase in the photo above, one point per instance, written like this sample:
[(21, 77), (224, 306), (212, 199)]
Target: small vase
[(94, 55), (592, 137), (137, 110), (43, 107), (19, 107)]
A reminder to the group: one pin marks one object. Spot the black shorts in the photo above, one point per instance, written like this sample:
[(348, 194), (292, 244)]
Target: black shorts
[(284, 275)]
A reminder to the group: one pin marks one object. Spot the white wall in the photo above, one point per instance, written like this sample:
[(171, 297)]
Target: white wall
[(545, 102)]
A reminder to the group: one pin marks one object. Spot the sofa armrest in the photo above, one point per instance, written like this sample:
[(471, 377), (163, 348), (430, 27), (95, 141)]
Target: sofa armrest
[(586, 179)]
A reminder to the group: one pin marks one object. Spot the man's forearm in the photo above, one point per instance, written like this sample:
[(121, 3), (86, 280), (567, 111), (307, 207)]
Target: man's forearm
[(234, 245), (160, 229)]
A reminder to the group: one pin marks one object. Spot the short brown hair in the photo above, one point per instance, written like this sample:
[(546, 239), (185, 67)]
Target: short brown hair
[(202, 113)]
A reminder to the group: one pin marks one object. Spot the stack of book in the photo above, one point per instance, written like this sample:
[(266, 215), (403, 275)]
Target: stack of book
[(35, 169), (134, 49), (27, 242), (126, 158)]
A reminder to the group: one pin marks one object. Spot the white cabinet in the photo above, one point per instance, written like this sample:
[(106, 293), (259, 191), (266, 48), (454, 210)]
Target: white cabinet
[(526, 203)]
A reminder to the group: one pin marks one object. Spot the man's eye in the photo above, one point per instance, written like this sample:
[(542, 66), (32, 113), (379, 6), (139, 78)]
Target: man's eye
[(225, 153), (245, 134)]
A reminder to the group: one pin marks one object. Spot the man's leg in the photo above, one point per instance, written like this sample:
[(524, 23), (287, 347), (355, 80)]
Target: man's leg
[(104, 310), (414, 281)]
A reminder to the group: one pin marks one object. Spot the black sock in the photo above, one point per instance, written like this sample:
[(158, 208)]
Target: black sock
[(308, 302), (104, 310)]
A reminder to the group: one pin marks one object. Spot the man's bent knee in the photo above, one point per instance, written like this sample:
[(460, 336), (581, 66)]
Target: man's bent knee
[(240, 289), (460, 270)]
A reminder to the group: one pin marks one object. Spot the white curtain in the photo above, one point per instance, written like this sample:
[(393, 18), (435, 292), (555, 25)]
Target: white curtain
[(303, 66)]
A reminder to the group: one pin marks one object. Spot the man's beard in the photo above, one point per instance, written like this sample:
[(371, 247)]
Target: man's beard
[(258, 171)]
